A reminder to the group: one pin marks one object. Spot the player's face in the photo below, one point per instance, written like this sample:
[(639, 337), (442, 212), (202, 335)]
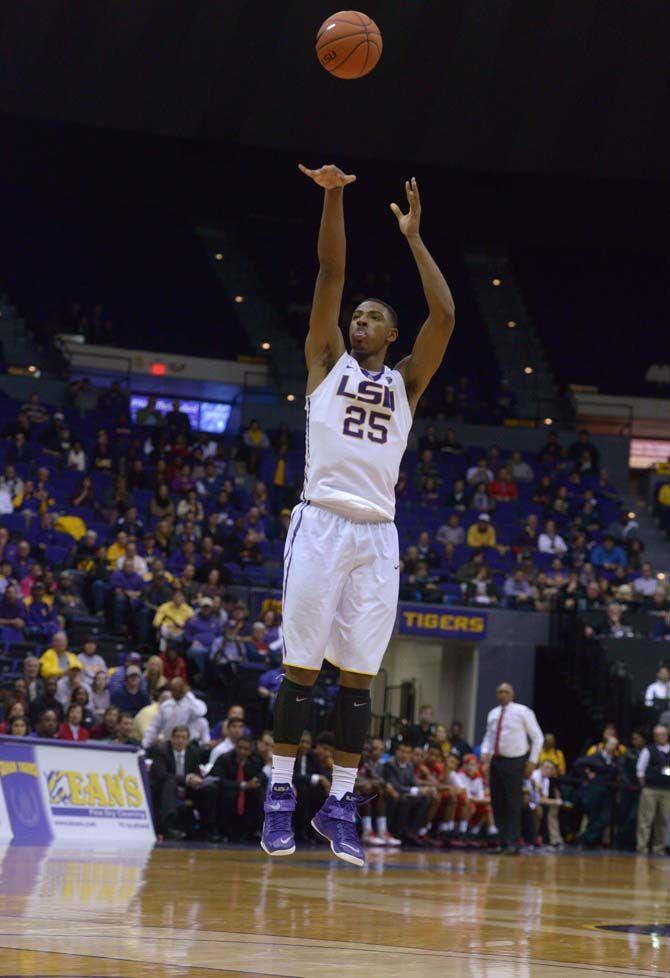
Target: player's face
[(371, 330)]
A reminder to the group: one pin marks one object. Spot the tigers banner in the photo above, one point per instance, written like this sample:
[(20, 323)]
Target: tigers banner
[(69, 792), (434, 621)]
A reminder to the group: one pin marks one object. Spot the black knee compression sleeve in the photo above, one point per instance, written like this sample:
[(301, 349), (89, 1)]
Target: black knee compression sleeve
[(353, 712), (292, 708)]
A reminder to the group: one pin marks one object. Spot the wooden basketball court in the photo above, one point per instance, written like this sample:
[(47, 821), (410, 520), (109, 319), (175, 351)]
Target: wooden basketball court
[(178, 912)]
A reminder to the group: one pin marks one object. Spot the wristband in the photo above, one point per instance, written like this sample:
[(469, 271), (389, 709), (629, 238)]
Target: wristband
[(414, 792)]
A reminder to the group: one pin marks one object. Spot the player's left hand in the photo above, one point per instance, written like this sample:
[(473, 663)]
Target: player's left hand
[(409, 223)]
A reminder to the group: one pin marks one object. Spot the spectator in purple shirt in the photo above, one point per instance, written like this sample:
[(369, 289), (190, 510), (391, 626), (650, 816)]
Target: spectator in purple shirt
[(24, 562), (125, 591), (130, 697), (12, 617), (202, 637), (41, 621), (7, 549)]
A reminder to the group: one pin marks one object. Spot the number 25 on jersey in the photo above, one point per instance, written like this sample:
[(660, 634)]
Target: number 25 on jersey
[(359, 421)]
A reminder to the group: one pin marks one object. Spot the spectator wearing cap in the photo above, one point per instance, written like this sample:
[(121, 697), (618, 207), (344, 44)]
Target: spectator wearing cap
[(481, 533), (550, 541), (57, 660), (91, 662), (202, 636), (69, 682), (608, 555), (117, 678), (130, 698)]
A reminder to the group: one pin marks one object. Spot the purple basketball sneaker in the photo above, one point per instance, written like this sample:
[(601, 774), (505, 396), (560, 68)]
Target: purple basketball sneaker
[(336, 821), (277, 839)]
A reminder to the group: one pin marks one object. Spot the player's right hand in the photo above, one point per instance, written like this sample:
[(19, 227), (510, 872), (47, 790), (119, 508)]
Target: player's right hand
[(330, 177)]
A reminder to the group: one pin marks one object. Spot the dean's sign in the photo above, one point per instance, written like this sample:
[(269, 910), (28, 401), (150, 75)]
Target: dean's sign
[(436, 622), (55, 791)]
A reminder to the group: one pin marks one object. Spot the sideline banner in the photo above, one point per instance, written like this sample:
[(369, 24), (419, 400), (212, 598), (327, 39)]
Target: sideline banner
[(434, 621), (55, 791)]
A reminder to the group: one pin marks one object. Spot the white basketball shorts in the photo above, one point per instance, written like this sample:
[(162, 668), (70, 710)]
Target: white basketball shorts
[(341, 584)]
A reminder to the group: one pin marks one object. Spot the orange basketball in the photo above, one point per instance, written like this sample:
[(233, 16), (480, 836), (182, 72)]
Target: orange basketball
[(349, 44)]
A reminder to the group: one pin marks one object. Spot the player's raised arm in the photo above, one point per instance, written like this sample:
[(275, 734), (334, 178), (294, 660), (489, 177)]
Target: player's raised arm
[(325, 344), (431, 343)]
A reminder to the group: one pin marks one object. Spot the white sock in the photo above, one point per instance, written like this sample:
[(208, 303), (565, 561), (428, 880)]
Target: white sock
[(463, 825), (492, 830), (367, 824), (344, 779), (446, 826), (476, 829), (282, 769), (381, 825), (423, 831)]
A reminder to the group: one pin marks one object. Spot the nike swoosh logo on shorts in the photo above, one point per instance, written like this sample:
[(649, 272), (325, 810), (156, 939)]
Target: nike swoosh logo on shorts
[(301, 699), (361, 704)]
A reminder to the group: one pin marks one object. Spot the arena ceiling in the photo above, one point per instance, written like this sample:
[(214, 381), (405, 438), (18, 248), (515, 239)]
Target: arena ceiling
[(502, 86)]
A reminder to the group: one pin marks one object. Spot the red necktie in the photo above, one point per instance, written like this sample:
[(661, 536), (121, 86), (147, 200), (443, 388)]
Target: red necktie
[(240, 793), (498, 729)]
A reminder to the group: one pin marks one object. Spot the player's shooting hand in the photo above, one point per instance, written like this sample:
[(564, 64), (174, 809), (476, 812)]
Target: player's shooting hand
[(330, 177), (409, 223)]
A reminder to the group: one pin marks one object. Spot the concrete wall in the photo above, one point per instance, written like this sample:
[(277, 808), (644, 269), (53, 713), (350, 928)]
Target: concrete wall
[(460, 678)]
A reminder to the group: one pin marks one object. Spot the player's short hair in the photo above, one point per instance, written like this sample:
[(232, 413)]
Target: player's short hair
[(327, 738), (391, 311)]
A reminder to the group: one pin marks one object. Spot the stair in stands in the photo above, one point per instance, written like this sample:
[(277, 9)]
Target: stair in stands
[(17, 350), (515, 340), (258, 315)]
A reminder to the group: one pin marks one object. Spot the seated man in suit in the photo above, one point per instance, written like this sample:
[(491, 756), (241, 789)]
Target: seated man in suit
[(241, 791), (176, 780)]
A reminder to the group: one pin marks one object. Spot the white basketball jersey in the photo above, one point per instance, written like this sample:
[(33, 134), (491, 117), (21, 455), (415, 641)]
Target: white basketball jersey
[(357, 429)]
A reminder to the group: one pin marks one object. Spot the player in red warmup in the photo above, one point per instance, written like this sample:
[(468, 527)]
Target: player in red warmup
[(341, 563)]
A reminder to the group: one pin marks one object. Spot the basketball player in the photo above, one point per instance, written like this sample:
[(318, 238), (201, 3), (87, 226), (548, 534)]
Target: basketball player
[(341, 557)]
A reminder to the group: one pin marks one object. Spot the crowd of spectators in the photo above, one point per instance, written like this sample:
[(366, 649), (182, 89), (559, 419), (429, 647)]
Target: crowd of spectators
[(142, 530), (541, 534)]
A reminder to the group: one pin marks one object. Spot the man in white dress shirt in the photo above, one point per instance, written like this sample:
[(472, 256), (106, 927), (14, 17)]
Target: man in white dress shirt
[(510, 751), (184, 709), (658, 693)]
